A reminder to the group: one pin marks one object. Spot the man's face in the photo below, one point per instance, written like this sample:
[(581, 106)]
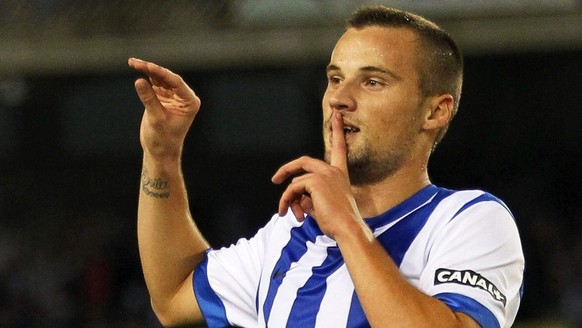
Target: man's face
[(374, 83)]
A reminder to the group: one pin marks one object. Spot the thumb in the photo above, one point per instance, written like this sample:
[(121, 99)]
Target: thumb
[(148, 98)]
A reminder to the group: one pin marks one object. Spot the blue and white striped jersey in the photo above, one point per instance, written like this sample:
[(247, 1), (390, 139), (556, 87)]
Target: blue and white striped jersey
[(461, 247)]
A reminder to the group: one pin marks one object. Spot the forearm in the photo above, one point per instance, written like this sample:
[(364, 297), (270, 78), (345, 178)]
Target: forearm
[(170, 244), (386, 297)]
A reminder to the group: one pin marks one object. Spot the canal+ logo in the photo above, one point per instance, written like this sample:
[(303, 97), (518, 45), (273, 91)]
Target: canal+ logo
[(468, 278)]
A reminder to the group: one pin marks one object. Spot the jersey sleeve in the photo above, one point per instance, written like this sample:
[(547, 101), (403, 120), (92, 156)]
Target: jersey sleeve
[(476, 264), (226, 282)]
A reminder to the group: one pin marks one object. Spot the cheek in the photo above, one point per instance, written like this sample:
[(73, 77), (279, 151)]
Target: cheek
[(389, 129), (325, 113)]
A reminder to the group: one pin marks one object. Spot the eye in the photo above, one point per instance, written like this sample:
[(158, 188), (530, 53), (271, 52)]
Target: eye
[(373, 83), (334, 80)]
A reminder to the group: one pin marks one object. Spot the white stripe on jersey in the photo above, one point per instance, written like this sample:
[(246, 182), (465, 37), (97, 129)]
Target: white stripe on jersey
[(335, 305), (295, 278)]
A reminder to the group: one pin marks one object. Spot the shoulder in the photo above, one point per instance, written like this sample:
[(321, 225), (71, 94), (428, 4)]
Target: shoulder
[(474, 203), (475, 251), (469, 224), (276, 230)]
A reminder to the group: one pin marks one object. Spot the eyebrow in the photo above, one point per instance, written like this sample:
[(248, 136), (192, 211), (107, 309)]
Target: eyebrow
[(369, 69)]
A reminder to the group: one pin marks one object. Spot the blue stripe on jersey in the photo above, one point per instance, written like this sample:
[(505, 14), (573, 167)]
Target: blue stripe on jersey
[(421, 197), (357, 318), (292, 252), (398, 238), (482, 198), (472, 308), (313, 290), (209, 303)]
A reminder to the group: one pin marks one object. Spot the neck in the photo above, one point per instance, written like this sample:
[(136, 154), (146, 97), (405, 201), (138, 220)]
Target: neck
[(375, 199)]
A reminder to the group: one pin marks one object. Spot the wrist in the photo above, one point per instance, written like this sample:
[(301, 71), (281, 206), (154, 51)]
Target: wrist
[(159, 175), (354, 231), (162, 165)]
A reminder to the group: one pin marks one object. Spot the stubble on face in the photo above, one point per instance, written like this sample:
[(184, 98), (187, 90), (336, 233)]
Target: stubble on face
[(367, 166)]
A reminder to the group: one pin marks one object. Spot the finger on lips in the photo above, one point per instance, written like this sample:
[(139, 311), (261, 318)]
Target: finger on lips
[(338, 148)]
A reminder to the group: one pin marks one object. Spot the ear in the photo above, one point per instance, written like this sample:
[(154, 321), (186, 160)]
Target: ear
[(439, 112)]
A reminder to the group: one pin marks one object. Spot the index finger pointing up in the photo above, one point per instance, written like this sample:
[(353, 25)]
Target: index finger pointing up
[(339, 157)]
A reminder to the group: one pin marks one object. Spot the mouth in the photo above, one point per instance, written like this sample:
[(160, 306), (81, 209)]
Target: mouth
[(350, 130)]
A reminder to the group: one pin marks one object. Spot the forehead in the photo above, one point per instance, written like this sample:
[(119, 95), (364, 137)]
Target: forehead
[(394, 48)]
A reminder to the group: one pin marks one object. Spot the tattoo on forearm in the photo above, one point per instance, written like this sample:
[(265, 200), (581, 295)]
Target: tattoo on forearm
[(156, 188)]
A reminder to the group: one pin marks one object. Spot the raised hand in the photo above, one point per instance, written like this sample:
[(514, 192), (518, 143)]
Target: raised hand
[(321, 190), (170, 108)]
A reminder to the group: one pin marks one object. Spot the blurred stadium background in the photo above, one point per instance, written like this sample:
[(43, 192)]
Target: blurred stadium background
[(70, 154)]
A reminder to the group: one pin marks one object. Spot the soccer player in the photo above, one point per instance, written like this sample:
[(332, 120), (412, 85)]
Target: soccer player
[(361, 238)]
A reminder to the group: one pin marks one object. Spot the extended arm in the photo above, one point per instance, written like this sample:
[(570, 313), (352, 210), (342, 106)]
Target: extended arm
[(170, 244)]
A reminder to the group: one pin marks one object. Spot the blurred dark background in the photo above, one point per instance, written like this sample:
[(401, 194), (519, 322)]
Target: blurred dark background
[(70, 157)]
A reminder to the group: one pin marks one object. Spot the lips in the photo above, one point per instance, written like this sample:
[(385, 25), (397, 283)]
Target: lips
[(350, 129), (349, 133)]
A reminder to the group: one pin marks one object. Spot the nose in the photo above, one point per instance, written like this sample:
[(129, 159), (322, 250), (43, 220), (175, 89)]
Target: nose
[(341, 97)]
